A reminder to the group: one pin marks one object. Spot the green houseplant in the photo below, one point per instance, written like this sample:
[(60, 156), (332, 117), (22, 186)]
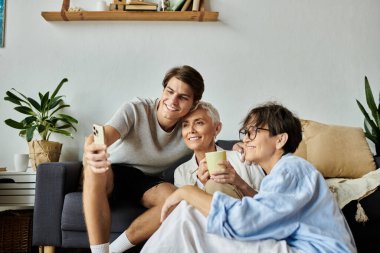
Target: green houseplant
[(371, 124), (42, 117)]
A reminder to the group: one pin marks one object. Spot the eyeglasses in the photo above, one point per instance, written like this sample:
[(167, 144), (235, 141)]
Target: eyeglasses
[(251, 132)]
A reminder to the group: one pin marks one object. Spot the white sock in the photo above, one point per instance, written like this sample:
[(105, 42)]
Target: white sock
[(100, 248), (121, 244)]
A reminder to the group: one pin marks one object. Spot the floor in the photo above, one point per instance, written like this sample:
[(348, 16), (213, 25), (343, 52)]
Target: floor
[(60, 250), (73, 251), (10, 220)]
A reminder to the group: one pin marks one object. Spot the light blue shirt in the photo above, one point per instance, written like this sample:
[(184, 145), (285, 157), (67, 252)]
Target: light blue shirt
[(293, 204)]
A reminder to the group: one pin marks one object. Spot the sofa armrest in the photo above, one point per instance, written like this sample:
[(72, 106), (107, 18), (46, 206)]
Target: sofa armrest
[(53, 182)]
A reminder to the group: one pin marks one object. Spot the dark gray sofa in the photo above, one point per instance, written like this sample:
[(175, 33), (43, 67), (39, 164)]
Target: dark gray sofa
[(58, 215)]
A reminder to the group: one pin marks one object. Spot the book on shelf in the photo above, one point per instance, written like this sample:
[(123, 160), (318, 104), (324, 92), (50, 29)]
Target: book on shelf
[(139, 7), (177, 5), (136, 2), (202, 5), (196, 4), (136, 5), (186, 5)]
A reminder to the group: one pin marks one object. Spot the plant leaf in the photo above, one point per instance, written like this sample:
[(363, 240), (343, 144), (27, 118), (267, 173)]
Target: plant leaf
[(68, 118), (14, 124), (374, 132), (371, 101), (29, 133), (22, 133), (44, 103), (35, 104), (366, 115), (64, 132), (59, 108), (13, 98), (66, 125), (41, 128), (55, 102), (25, 100), (58, 88), (25, 110), (17, 102), (30, 119), (372, 138)]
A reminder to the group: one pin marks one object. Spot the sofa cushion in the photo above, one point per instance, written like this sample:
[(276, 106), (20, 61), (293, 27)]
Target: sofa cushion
[(73, 219), (336, 151), (365, 234)]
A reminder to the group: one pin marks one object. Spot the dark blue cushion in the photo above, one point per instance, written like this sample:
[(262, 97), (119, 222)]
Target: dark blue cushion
[(227, 145), (122, 213)]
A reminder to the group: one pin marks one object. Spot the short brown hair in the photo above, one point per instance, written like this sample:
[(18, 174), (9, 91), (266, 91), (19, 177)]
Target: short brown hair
[(279, 120), (188, 75)]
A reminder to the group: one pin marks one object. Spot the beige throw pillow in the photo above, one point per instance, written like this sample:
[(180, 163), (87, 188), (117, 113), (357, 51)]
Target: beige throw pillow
[(336, 151)]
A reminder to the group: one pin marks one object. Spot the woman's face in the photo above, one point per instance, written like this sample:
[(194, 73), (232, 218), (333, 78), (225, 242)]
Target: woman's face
[(199, 131), (262, 148), (176, 100)]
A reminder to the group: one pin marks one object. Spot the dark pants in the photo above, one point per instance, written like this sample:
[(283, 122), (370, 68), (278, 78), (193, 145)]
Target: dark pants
[(130, 183)]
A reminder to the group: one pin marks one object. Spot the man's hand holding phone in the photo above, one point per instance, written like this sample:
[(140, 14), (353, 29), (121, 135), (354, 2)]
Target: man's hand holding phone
[(95, 151)]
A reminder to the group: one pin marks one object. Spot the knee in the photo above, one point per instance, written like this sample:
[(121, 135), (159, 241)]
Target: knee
[(95, 182), (158, 194), (165, 189), (211, 186)]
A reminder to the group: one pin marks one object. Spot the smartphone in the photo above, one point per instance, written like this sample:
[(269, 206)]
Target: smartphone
[(98, 132)]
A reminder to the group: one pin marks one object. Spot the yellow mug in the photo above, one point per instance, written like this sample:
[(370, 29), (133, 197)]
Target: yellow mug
[(213, 158)]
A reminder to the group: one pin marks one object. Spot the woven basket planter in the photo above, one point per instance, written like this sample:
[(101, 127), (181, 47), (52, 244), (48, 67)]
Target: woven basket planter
[(44, 152)]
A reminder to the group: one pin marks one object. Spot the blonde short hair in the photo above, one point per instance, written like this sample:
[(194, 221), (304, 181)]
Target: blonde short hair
[(210, 109)]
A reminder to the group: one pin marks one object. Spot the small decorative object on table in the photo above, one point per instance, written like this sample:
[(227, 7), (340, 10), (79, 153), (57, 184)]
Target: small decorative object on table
[(75, 9), (118, 5), (102, 6), (21, 162), (164, 5)]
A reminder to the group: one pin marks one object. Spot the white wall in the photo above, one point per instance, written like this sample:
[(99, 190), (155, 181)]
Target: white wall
[(310, 55)]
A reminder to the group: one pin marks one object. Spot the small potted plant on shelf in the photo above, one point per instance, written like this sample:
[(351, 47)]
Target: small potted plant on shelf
[(41, 117), (371, 124)]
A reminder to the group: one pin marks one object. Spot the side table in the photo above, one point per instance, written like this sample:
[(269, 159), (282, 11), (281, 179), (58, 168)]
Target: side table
[(17, 190)]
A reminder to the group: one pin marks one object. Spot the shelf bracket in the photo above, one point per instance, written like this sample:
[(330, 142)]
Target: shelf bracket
[(65, 7)]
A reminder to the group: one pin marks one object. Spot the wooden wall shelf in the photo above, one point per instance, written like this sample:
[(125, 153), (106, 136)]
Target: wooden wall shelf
[(131, 15)]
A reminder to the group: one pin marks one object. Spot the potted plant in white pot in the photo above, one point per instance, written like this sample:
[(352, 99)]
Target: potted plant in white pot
[(371, 124), (41, 116)]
